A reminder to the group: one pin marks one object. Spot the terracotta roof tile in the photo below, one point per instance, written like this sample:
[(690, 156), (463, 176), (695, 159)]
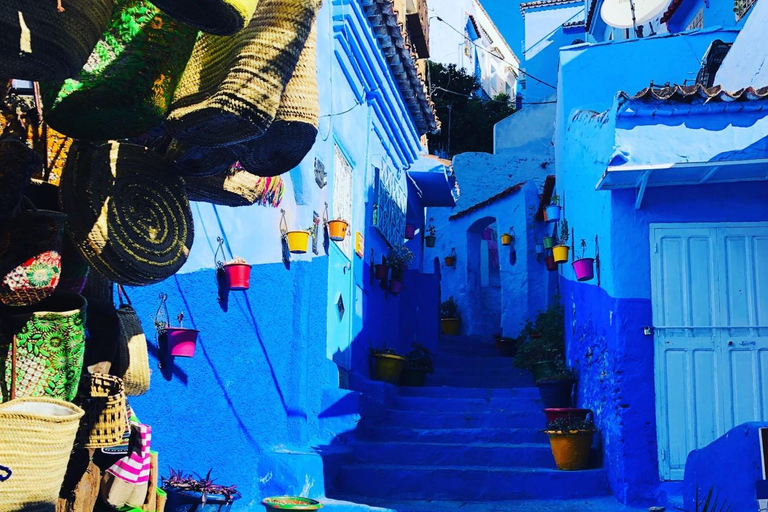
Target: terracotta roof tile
[(671, 10), (482, 204), (688, 93)]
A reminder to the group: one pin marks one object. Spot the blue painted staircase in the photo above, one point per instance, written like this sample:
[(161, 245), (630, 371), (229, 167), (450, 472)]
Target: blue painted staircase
[(471, 438)]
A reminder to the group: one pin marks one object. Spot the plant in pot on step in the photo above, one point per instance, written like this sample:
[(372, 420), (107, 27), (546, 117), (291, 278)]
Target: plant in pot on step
[(556, 390), (571, 441), (431, 237), (386, 365), (450, 318), (552, 211), (541, 343), (195, 493), (560, 251), (584, 267), (398, 260), (507, 346), (418, 364)]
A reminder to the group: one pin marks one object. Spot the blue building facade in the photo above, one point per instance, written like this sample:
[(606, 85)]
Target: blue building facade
[(269, 383)]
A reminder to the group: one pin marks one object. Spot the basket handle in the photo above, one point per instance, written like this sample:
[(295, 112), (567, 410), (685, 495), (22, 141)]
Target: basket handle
[(122, 294), (13, 368)]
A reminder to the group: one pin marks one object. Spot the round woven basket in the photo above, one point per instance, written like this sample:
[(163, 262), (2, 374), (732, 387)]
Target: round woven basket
[(293, 132), (106, 418), (221, 17), (191, 160), (231, 88), (128, 216), (40, 42), (35, 444), (236, 187), (127, 85)]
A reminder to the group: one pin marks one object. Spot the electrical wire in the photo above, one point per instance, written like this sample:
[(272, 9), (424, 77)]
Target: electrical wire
[(438, 18), (438, 88)]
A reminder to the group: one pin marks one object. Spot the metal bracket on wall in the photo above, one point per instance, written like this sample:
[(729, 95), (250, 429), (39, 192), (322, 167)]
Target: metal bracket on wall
[(315, 230), (642, 184), (320, 173)]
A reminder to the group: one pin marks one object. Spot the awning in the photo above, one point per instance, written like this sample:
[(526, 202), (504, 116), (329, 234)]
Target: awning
[(435, 182)]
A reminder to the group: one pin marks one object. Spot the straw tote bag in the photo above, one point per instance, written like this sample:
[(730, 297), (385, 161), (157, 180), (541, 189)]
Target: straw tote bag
[(231, 88), (292, 134), (48, 40), (221, 17), (236, 187), (134, 343), (106, 416), (36, 438), (127, 85), (126, 213)]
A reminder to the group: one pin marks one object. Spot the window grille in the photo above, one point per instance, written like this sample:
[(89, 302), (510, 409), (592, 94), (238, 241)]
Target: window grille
[(741, 7), (697, 21)]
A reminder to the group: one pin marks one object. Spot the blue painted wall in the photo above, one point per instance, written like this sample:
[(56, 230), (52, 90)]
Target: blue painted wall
[(605, 342), (263, 391)]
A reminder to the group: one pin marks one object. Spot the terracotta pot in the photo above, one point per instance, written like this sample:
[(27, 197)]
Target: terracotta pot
[(388, 367), (571, 450), (238, 276), (450, 326), (337, 230)]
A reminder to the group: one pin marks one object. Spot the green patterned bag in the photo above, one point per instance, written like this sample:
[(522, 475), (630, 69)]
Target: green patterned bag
[(43, 348), (127, 85)]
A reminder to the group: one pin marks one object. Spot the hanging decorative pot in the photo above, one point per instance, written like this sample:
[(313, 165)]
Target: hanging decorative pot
[(181, 341), (298, 241), (552, 213), (395, 287), (450, 260), (337, 229), (548, 242), (430, 240), (238, 275), (410, 231), (549, 261), (584, 269), (382, 271), (560, 253), (506, 239)]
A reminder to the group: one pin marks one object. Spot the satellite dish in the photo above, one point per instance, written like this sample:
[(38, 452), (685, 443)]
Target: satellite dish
[(618, 13)]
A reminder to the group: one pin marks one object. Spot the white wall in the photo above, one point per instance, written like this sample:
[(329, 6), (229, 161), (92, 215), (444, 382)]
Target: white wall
[(747, 62)]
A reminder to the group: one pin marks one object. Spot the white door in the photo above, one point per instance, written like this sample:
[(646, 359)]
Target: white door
[(710, 316)]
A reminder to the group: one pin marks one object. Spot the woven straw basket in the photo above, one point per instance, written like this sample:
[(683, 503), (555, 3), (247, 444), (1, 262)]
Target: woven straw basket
[(106, 418), (40, 42), (127, 85), (231, 88), (190, 160), (36, 440), (293, 132), (236, 187), (132, 339), (222, 17), (127, 214)]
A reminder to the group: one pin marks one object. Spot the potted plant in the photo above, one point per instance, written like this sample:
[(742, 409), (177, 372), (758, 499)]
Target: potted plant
[(507, 238), (298, 241), (431, 236), (450, 260), (410, 231), (188, 493), (450, 318), (398, 260), (584, 267), (548, 242), (541, 343), (552, 211), (291, 503), (382, 269), (181, 341), (387, 365), (507, 346), (337, 229), (417, 365), (560, 251), (555, 413), (571, 442), (238, 273), (556, 389), (550, 263)]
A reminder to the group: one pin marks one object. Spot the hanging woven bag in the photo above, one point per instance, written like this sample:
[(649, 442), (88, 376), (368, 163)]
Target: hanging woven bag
[(18, 162), (46, 348), (30, 261), (127, 85), (236, 187), (106, 416), (231, 88), (292, 134), (190, 160), (36, 438), (221, 17), (49, 40), (134, 343), (127, 213)]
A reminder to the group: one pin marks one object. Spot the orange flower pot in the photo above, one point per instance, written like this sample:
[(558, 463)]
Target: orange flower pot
[(506, 239), (571, 449), (337, 230), (450, 261)]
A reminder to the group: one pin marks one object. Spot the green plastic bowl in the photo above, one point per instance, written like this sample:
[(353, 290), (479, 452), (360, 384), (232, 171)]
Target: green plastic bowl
[(291, 503)]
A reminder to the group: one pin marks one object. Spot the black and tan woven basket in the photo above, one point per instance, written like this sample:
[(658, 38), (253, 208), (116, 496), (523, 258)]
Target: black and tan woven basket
[(106, 417), (221, 17)]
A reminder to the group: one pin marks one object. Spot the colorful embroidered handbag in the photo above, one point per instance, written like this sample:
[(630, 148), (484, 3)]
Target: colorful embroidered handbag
[(46, 347), (127, 85), (126, 482)]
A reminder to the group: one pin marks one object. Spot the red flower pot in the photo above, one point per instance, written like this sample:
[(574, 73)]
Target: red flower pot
[(238, 276), (181, 341), (566, 412), (550, 262), (395, 287), (410, 231), (382, 272)]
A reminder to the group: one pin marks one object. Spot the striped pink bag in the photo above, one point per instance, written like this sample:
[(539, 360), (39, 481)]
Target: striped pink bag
[(126, 482)]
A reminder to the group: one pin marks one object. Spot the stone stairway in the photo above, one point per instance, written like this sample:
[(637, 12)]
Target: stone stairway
[(471, 437)]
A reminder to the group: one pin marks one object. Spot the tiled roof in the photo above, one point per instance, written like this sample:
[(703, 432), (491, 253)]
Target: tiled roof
[(671, 10), (482, 204), (575, 24), (394, 42), (591, 13), (688, 93), (543, 3)]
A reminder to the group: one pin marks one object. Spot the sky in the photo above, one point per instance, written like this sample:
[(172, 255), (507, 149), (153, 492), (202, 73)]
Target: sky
[(506, 15)]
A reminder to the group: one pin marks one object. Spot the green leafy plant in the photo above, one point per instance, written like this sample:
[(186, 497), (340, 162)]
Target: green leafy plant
[(204, 485), (543, 339), (711, 503), (565, 232), (570, 425), (583, 248), (431, 229), (420, 358), (554, 200), (383, 351), (449, 309), (398, 259), (562, 372)]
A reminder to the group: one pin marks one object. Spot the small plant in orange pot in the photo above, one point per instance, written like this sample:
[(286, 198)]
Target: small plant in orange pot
[(571, 441), (507, 238), (450, 318), (337, 229), (450, 260)]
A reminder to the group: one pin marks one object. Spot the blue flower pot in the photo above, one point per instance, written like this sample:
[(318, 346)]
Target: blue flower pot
[(553, 213), (188, 501)]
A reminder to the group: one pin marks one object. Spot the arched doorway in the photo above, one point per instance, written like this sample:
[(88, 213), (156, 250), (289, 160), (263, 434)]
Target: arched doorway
[(484, 277)]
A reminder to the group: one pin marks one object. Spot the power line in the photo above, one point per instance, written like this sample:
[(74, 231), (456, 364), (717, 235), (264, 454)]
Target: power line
[(493, 54), (457, 93)]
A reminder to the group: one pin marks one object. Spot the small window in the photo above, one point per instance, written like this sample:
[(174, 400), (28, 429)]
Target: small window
[(697, 21)]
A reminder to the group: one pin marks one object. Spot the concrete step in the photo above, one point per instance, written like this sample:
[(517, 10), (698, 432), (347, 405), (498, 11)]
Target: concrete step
[(472, 483), (468, 351), (445, 404), (479, 381), (441, 420), (457, 435), (599, 504), (458, 392), (455, 454), (448, 360)]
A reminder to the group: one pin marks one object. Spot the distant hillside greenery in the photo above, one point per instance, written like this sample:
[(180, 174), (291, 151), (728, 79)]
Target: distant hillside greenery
[(472, 118)]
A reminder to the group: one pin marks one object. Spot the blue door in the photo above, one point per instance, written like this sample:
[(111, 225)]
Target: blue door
[(710, 315)]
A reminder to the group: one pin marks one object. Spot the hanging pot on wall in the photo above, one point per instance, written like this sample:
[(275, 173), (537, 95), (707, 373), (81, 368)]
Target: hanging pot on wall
[(337, 229), (238, 275), (584, 269), (552, 213), (298, 241), (560, 253), (506, 239), (410, 231), (548, 242), (430, 240), (181, 341), (549, 261), (450, 261), (395, 287), (382, 271)]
